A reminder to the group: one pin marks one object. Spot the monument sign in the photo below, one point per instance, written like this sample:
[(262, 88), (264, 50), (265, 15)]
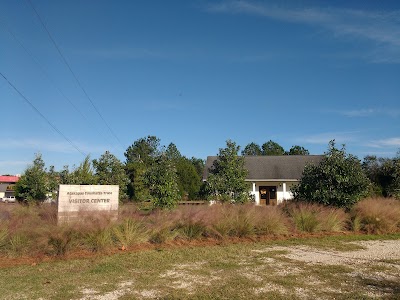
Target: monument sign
[(75, 201)]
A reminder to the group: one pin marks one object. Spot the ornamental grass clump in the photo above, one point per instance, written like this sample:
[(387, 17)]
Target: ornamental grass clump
[(161, 226), (305, 216), (98, 240), (18, 244), (191, 223), (219, 220), (27, 231), (242, 221), (3, 237), (47, 213), (61, 239), (128, 233), (95, 233), (378, 215), (332, 219), (270, 221)]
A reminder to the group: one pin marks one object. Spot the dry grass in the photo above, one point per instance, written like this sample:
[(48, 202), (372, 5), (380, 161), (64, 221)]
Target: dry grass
[(271, 221), (260, 270), (34, 231), (378, 215), (315, 218)]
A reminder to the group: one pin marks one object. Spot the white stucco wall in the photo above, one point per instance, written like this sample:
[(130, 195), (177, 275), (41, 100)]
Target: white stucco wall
[(281, 194)]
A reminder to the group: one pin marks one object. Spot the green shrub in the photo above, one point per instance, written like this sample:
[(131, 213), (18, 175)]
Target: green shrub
[(338, 180)]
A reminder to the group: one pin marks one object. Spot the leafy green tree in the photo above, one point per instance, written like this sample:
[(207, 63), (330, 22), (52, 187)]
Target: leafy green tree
[(137, 187), (199, 164), (338, 180), (189, 181), (144, 150), (298, 150), (109, 170), (172, 152), (377, 171), (272, 148), (394, 187), (83, 174), (384, 174), (140, 156), (252, 149), (53, 180), (227, 176), (65, 175), (33, 185), (162, 180)]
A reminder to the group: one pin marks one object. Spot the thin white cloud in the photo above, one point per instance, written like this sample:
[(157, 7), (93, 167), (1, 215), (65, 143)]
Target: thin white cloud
[(52, 146), (4, 163), (379, 153), (368, 112), (393, 142), (325, 138), (380, 27)]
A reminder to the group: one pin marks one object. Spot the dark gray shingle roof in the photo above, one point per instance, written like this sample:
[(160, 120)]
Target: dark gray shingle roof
[(289, 167)]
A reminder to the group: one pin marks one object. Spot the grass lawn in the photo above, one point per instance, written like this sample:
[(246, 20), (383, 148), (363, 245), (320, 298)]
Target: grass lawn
[(259, 270)]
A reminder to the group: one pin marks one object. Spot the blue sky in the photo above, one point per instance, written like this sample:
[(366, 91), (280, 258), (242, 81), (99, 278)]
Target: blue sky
[(197, 73)]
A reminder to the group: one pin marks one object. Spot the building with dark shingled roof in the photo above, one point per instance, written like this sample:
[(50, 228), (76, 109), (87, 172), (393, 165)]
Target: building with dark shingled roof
[(271, 177)]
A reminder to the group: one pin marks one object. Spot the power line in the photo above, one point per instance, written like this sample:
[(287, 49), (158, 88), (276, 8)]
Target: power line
[(47, 76), (43, 116), (72, 72)]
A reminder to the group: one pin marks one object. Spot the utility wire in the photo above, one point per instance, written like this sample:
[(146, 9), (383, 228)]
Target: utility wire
[(72, 72), (43, 116), (48, 77)]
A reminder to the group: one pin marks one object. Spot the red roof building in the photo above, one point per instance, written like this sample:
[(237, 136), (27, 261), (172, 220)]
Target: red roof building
[(9, 179), (7, 184)]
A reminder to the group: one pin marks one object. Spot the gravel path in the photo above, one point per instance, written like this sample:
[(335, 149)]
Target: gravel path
[(375, 251)]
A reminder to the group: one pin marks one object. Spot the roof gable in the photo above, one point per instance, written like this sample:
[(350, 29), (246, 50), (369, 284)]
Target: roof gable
[(282, 167)]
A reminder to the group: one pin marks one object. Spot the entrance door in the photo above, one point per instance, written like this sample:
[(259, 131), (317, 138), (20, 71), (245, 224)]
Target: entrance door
[(268, 195)]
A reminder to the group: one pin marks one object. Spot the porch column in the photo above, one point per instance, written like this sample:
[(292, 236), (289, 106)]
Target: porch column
[(255, 194), (284, 190)]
